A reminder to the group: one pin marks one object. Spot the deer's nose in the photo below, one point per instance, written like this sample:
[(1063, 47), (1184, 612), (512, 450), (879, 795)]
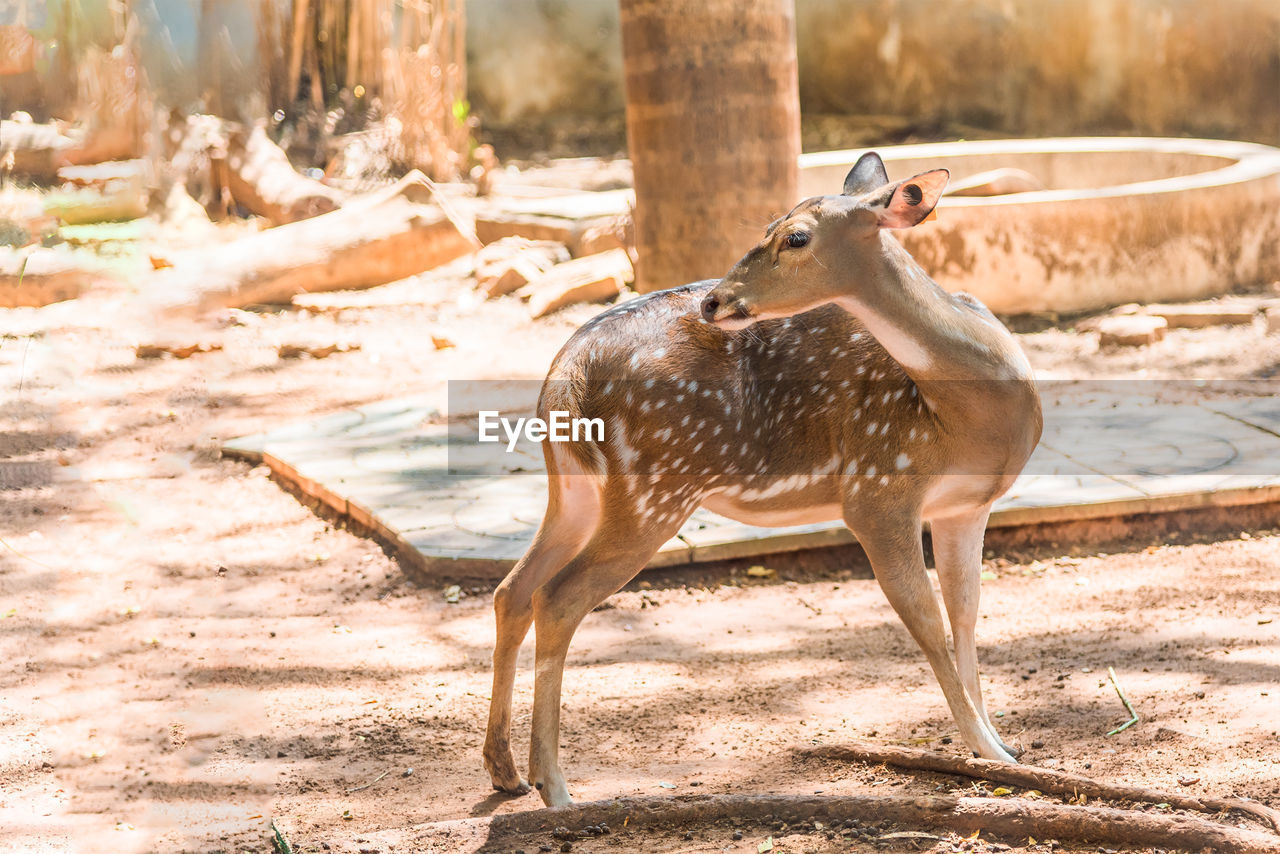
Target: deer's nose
[(709, 307)]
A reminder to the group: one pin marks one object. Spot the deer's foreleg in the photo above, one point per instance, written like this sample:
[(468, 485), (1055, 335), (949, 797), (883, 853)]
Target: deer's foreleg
[(891, 539), (957, 551)]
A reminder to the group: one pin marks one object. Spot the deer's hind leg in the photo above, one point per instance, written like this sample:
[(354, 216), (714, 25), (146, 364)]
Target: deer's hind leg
[(573, 514), (631, 532)]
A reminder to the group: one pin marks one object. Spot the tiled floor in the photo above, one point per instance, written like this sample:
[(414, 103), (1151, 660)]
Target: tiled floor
[(386, 467)]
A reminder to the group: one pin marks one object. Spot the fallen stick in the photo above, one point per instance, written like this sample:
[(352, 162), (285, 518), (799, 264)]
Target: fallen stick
[(1011, 818), (369, 784), (1042, 779), (1133, 716)]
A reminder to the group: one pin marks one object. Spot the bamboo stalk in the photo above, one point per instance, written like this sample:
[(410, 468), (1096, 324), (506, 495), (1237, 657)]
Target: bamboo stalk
[(317, 86), (460, 48), (353, 44), (300, 10), (270, 34), (373, 41)]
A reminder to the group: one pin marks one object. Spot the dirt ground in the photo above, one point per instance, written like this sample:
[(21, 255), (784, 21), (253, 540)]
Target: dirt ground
[(189, 653)]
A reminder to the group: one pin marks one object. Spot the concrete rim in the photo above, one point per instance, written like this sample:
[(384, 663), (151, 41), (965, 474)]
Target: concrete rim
[(1249, 161)]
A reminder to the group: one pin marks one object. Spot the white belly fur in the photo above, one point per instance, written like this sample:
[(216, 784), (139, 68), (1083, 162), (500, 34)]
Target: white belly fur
[(772, 517)]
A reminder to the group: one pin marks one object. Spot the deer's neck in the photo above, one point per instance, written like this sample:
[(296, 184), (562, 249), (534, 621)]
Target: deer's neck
[(930, 333)]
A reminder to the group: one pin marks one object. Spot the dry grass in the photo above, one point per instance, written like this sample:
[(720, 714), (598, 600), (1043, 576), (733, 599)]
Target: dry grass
[(405, 59), (425, 87), (112, 102)]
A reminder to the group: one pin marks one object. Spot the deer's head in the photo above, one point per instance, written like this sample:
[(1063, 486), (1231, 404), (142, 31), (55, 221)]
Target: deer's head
[(824, 247)]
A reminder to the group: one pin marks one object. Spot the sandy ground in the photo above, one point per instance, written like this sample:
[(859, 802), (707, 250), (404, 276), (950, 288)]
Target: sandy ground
[(189, 653)]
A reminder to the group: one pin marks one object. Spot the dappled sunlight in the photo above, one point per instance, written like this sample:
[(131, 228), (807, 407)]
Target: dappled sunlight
[(247, 248)]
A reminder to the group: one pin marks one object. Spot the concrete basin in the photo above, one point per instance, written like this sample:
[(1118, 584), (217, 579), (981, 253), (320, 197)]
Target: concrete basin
[(1121, 219)]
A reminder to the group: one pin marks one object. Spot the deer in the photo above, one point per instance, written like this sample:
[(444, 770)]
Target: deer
[(826, 377)]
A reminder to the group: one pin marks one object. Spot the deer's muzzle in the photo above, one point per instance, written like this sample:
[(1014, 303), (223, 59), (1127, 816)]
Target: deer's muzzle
[(724, 310)]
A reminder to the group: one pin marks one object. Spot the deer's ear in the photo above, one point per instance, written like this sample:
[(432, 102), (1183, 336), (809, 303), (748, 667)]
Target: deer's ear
[(866, 175), (910, 201)]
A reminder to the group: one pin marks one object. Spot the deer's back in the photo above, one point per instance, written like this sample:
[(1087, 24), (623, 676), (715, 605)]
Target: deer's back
[(805, 396)]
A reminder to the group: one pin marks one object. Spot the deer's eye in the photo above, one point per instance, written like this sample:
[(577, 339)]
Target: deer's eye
[(797, 239)]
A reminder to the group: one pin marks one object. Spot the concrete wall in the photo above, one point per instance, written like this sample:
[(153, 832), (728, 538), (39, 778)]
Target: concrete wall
[(539, 59), (1021, 67), (1014, 67), (180, 70), (1122, 220)]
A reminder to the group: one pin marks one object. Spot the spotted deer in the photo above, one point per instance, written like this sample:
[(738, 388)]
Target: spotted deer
[(825, 377)]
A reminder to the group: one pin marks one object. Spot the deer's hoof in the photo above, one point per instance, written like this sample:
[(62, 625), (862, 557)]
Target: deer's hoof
[(520, 787), (554, 794)]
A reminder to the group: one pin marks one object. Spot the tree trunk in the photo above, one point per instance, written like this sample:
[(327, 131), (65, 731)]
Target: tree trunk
[(713, 121)]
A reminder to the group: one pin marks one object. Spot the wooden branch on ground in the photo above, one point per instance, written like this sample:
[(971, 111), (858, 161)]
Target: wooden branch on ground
[(104, 192), (35, 277), (263, 180), (513, 262), (371, 241), (1011, 818), (588, 279), (35, 150), (1047, 780), (123, 202)]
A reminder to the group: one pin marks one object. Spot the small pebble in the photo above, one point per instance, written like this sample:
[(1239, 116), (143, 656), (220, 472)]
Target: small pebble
[(566, 846), (737, 834), (688, 834), (1036, 745)]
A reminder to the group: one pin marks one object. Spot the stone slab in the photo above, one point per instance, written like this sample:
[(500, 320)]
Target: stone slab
[(564, 218), (1134, 330), (1199, 315), (386, 468)]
